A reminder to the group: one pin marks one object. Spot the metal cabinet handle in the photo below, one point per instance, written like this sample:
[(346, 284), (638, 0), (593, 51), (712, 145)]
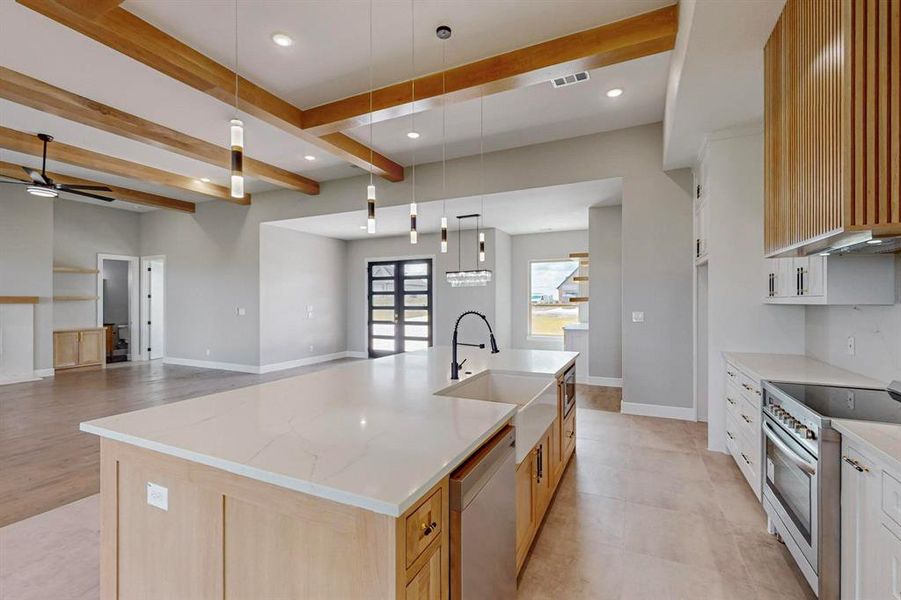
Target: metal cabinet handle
[(857, 466), (729, 435), (428, 528), (730, 400), (730, 373), (747, 460), (747, 420)]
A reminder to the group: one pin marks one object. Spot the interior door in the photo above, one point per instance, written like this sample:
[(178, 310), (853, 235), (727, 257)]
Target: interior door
[(400, 306)]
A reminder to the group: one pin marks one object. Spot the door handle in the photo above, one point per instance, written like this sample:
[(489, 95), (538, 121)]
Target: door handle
[(857, 466)]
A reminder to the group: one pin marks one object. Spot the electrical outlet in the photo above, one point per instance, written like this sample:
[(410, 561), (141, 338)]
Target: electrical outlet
[(311, 347), (850, 400), (157, 496), (852, 348), (637, 316), (207, 351), (241, 311)]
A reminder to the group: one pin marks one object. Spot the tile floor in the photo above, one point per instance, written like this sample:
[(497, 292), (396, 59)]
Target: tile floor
[(643, 511)]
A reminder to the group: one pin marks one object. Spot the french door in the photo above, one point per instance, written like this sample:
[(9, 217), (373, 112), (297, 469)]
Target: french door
[(400, 306)]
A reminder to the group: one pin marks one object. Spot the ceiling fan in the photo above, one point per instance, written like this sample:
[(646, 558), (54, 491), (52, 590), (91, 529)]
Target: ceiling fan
[(41, 184)]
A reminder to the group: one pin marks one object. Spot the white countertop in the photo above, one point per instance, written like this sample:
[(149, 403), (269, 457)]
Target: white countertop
[(798, 368), (576, 327), (884, 439), (370, 434)]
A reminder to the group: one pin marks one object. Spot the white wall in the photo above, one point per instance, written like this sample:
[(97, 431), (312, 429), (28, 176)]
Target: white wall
[(26, 261), (298, 271), (737, 318), (876, 331), (537, 246), (80, 232), (605, 331), (449, 303)]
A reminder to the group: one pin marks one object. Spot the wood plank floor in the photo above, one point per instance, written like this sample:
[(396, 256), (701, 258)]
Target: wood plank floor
[(46, 462)]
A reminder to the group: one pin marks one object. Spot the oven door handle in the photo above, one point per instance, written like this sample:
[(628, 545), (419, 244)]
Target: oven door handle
[(790, 454)]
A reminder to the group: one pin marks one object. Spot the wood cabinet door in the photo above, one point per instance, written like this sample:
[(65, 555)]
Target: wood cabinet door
[(90, 347), (569, 435), (426, 584), (65, 349), (525, 506), (555, 452), (544, 476)]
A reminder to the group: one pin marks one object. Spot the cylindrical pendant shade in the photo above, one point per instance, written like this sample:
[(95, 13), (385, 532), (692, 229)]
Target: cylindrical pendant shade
[(237, 158)]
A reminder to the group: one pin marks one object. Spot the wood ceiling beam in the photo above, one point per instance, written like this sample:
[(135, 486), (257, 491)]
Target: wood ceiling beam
[(11, 171), (36, 94), (635, 37), (90, 9), (27, 143), (128, 34)]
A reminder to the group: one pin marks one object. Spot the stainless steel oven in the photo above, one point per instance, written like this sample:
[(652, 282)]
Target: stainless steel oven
[(569, 391)]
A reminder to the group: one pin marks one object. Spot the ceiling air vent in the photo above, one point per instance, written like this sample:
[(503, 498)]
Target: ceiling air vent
[(560, 82)]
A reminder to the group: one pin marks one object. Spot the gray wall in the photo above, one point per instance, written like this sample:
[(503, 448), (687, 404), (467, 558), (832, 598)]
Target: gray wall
[(26, 261), (876, 331), (115, 292), (538, 246), (605, 284), (503, 281), (297, 271), (449, 302), (80, 232)]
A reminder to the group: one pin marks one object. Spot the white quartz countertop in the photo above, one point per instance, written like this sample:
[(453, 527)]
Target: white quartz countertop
[(371, 434), (884, 439), (576, 327), (798, 368)]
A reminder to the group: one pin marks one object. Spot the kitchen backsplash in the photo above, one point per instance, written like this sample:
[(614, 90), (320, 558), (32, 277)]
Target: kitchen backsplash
[(876, 331)]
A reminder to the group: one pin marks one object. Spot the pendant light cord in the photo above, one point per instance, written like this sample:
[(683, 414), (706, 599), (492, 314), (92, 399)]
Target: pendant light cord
[(413, 80), (370, 93), (481, 157), (443, 129), (236, 59)]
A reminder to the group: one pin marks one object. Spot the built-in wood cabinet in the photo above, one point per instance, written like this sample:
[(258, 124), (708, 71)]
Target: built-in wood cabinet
[(78, 348), (525, 507), (835, 280), (871, 526), (832, 74)]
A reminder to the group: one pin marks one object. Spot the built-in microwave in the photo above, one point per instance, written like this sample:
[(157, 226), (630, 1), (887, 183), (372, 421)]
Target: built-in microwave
[(569, 391)]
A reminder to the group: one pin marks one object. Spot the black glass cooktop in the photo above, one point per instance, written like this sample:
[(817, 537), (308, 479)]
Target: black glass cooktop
[(846, 403)]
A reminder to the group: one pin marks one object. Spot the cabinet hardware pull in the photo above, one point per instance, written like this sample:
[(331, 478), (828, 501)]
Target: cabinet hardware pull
[(747, 460), (730, 401), (428, 528), (729, 435), (747, 420), (857, 466), (730, 373)]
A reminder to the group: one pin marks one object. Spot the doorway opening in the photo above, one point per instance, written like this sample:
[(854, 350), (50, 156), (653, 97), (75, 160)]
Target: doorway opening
[(153, 272), (400, 306), (117, 306)]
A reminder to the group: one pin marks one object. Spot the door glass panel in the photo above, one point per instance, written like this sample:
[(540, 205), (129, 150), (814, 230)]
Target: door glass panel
[(382, 345), (416, 285), (416, 269), (411, 345), (420, 316), (382, 285), (416, 331), (383, 300), (416, 300), (380, 329), (383, 270), (792, 486), (383, 315)]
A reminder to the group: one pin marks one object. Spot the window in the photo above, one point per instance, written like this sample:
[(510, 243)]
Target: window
[(550, 288)]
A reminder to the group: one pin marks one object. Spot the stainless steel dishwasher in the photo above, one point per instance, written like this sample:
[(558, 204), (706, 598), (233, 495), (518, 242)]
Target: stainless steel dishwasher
[(483, 522)]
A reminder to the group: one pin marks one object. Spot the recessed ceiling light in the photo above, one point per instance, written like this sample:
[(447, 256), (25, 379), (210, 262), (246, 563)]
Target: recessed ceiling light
[(310, 157), (874, 241), (614, 92), (282, 39), (413, 135), (204, 179)]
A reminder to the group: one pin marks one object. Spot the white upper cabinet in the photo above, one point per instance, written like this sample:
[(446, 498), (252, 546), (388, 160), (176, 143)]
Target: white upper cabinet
[(836, 280)]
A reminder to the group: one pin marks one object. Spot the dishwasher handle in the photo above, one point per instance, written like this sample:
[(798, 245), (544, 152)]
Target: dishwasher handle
[(469, 479)]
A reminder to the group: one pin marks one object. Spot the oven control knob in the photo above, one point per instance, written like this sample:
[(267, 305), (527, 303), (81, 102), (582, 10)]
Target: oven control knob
[(810, 435), (800, 429)]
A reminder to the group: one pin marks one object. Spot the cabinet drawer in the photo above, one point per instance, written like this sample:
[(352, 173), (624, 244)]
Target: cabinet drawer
[(891, 497), (732, 435), (748, 460), (569, 435), (748, 418), (751, 389), (423, 526), (426, 584), (733, 400)]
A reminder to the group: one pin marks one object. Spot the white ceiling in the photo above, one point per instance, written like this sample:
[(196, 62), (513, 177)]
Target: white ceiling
[(716, 80), (554, 208)]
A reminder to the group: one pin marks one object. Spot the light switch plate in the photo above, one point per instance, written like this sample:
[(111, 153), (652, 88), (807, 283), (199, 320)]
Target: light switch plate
[(637, 316), (157, 496), (242, 311)]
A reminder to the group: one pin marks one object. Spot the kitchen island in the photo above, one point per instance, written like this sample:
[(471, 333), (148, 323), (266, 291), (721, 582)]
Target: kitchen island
[(331, 484)]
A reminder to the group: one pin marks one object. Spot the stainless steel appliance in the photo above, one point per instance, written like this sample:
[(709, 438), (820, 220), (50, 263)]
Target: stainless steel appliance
[(802, 480), (483, 522), (569, 391)]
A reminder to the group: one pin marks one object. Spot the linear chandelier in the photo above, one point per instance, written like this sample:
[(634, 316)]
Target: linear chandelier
[(473, 277)]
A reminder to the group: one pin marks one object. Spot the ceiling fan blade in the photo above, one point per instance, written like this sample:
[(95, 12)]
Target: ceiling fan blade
[(99, 188), (86, 194), (36, 176)]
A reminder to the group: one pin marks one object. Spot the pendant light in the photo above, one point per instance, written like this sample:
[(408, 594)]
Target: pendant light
[(370, 189), (444, 33), (474, 277), (414, 235), (482, 178), (236, 129)]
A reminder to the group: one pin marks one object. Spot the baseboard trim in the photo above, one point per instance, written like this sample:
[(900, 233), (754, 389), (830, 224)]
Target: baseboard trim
[(356, 354), (259, 370), (616, 382), (303, 362), (44, 372), (657, 410), (209, 364)]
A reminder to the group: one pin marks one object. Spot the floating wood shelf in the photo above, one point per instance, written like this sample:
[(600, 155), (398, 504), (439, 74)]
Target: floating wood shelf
[(74, 298), (18, 299), (61, 269), (578, 299), (578, 255), (580, 278)]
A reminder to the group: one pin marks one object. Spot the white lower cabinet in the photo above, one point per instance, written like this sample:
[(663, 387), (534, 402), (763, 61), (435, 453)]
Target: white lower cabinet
[(871, 537), (743, 412)]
